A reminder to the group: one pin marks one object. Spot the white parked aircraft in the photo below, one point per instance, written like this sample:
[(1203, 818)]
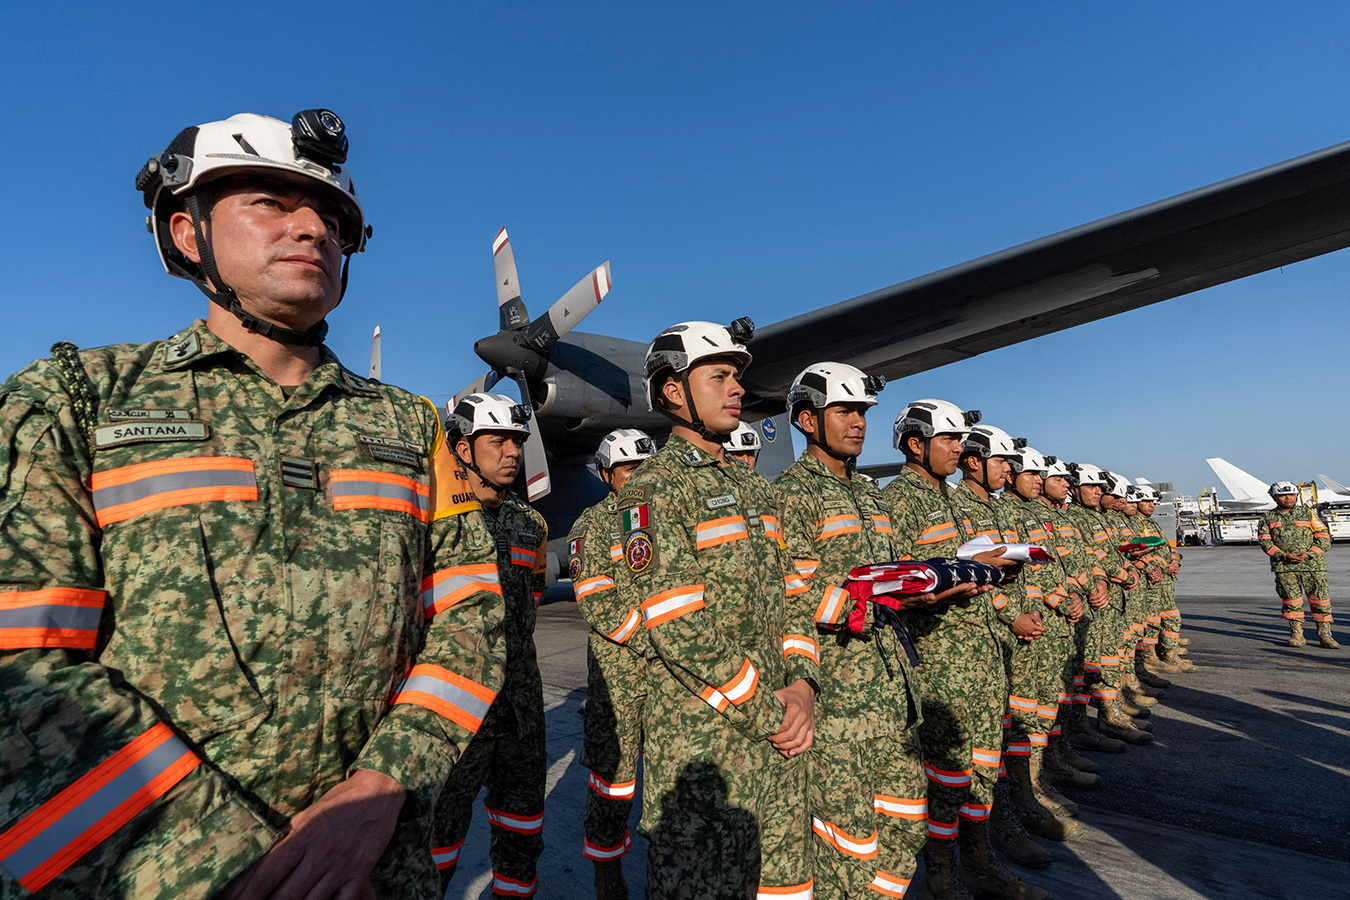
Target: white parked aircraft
[(1250, 492)]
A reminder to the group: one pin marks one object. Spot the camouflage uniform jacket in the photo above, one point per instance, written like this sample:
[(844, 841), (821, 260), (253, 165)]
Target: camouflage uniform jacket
[(1296, 530), (1156, 558), (1047, 583), (1100, 535), (705, 562), (925, 525), (521, 538), (594, 551), (208, 607), (1068, 543), (830, 526), (989, 518)]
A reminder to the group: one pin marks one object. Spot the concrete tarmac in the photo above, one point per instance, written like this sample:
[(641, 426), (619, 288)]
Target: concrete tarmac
[(1245, 792)]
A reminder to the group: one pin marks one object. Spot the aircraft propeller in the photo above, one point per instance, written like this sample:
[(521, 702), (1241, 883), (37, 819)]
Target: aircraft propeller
[(520, 350)]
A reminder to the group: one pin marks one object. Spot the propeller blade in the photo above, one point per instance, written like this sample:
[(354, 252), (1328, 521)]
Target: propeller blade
[(484, 382), (568, 311), (510, 307), (374, 373), (538, 483)]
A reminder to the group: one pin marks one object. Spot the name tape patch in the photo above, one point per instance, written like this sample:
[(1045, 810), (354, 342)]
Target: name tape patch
[(118, 435)]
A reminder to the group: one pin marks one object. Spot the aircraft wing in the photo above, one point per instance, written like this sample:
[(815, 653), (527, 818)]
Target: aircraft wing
[(1274, 216)]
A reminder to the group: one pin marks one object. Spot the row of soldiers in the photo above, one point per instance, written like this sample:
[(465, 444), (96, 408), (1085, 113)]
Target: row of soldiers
[(728, 636)]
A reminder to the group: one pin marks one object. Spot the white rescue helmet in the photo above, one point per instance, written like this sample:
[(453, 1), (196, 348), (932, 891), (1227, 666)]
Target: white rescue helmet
[(930, 418), (1056, 466), (681, 346), (624, 445), (823, 384), (744, 439), (311, 149), (1027, 459), (1082, 474), (489, 412), (1282, 488), (1136, 493), (1116, 484), (985, 441)]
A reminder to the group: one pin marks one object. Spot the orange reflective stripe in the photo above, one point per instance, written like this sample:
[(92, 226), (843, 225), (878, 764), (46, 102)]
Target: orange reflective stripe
[(458, 699), (597, 585), (834, 526), (720, 531), (129, 491), (372, 489), (801, 645), (45, 843), (625, 631), (858, 848), (672, 604), (882, 524), (51, 617), (447, 587), (522, 556), (831, 606), (742, 685), (934, 534)]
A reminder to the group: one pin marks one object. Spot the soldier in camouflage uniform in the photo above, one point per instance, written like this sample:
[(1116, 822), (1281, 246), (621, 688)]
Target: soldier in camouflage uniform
[(744, 444), (732, 680), (1073, 552), (961, 669), (1123, 515), (1159, 576), (247, 605), (1102, 664), (616, 666), (1296, 542), (488, 433), (1162, 648), (868, 791)]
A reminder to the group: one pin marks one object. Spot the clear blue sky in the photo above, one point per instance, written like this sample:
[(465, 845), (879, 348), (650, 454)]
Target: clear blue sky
[(730, 159)]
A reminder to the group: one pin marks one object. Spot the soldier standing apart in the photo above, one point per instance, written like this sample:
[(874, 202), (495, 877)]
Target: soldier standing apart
[(965, 688), (868, 791), (488, 432), (221, 555), (731, 702), (1296, 542), (744, 444), (616, 667)]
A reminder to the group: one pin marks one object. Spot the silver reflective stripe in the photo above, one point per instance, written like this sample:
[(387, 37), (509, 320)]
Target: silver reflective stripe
[(160, 484), (454, 583), (446, 691), (84, 618), (59, 834), (380, 489)]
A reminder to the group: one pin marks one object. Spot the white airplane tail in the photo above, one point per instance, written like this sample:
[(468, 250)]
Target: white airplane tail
[(1242, 485), (1331, 485)]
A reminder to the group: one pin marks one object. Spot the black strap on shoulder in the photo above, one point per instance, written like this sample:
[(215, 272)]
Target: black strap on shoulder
[(83, 400)]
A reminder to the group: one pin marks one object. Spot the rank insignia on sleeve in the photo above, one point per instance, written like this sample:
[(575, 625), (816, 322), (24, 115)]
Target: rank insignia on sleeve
[(638, 552), (636, 518)]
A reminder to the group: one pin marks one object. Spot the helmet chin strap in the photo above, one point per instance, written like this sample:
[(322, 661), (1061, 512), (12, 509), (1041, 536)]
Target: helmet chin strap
[(472, 466), (695, 421), (818, 439), (225, 297)]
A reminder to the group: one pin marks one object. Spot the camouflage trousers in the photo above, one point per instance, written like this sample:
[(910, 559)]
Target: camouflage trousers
[(1294, 587), (1138, 603), (1169, 617), (869, 812), (724, 816), (616, 691), (508, 756), (1101, 657), (965, 696), (1037, 686), (1076, 669)]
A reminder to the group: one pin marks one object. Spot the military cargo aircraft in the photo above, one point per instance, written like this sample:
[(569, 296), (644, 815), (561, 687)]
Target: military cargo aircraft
[(584, 385)]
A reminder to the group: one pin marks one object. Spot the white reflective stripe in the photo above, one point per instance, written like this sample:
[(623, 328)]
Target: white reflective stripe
[(807, 567), (866, 849), (831, 606), (801, 645), (630, 624), (942, 776), (622, 791), (889, 885), (837, 525), (672, 603), (512, 888), (596, 852), (707, 533), (445, 857), (793, 584), (938, 829), (743, 685), (528, 824), (714, 698), (615, 553), (900, 807), (448, 586), (594, 586)]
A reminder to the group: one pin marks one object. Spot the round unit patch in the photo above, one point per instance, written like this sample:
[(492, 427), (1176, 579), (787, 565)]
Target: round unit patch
[(574, 568), (769, 429), (638, 551)]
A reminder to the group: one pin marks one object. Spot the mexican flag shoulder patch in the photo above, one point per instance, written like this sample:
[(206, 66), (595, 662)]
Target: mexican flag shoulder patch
[(636, 518)]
